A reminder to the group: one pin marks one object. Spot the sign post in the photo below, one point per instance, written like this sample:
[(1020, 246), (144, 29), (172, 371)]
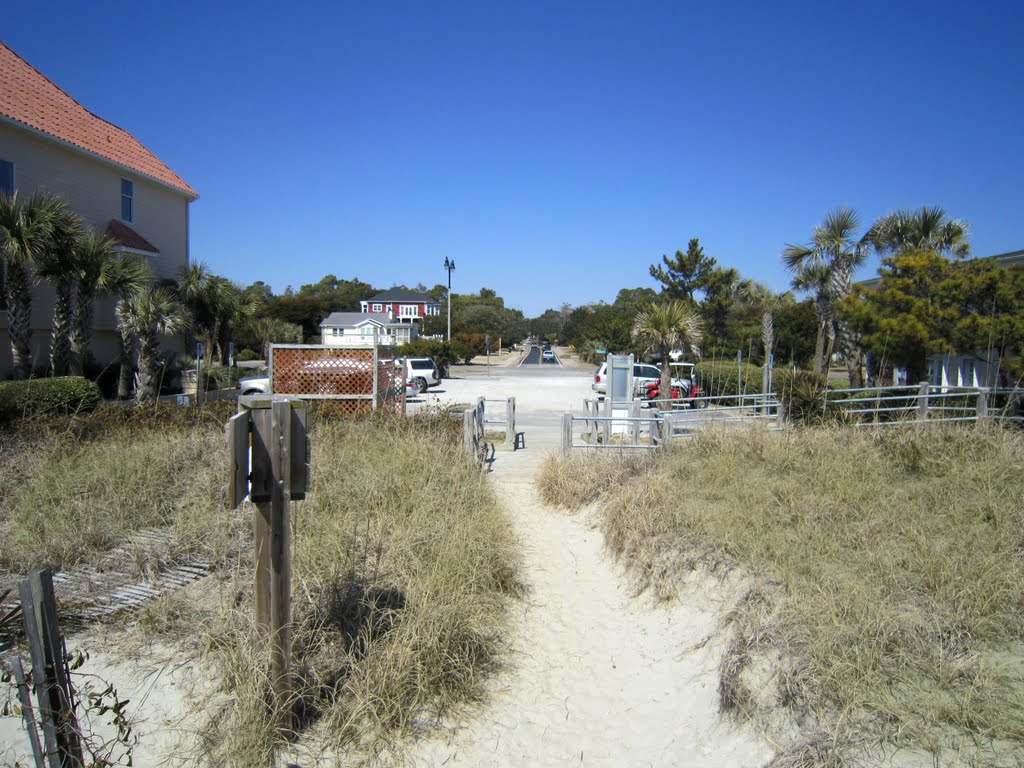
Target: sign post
[(278, 455)]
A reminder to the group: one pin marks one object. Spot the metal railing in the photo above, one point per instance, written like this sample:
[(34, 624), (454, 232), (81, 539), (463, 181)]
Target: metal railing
[(638, 428)]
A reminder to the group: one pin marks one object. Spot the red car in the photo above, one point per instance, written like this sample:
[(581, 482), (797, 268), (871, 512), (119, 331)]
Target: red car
[(682, 390)]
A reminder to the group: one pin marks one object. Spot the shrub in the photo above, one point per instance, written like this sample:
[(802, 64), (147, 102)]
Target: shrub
[(720, 377), (22, 399), (247, 356), (804, 398)]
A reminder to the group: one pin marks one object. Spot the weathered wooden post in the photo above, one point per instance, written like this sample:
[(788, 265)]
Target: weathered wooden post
[(922, 401), (280, 473), (983, 404), (469, 442), (566, 434), (668, 428), (25, 699), (46, 648), (634, 425), (510, 421)]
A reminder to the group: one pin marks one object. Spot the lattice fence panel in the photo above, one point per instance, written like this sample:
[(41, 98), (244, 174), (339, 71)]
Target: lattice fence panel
[(342, 376)]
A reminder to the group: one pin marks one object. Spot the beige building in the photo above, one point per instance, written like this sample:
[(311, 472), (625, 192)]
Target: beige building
[(49, 142)]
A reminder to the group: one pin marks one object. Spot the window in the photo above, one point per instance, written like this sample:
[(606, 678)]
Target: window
[(6, 177), (408, 310), (376, 308), (127, 201)]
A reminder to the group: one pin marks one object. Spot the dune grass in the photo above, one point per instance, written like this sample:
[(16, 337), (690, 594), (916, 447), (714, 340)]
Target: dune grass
[(75, 487), (403, 566), (885, 571)]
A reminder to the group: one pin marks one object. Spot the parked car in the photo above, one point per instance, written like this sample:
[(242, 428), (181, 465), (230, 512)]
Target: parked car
[(423, 371), (253, 385), (643, 374)]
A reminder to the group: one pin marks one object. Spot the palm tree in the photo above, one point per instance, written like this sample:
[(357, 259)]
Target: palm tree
[(833, 246), (147, 314), (666, 327), (124, 279), (95, 259), (815, 279), (58, 264), (197, 289), (927, 229), (763, 299), (24, 237)]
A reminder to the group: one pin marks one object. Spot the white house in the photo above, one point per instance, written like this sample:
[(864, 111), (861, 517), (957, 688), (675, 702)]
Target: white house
[(362, 329)]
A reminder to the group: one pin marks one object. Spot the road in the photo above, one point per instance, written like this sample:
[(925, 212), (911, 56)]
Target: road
[(534, 357)]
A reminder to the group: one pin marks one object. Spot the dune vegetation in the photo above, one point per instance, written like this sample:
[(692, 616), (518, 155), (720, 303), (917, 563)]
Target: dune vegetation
[(882, 572)]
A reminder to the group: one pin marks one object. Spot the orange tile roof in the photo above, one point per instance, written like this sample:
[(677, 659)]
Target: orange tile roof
[(29, 97), (124, 235)]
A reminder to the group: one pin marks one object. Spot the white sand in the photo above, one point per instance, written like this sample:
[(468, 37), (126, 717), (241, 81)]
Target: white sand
[(595, 677)]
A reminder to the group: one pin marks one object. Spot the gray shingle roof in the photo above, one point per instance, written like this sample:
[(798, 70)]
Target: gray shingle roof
[(349, 319)]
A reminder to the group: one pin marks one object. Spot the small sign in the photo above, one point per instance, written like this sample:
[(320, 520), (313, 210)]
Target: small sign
[(600, 351), (199, 349)]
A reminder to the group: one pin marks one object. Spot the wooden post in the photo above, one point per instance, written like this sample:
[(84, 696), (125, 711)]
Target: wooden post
[(281, 561), (634, 426), (376, 373), (510, 420), (280, 456), (469, 443), (922, 402), (261, 494), (566, 434), (26, 711), (668, 432), (982, 403), (46, 647)]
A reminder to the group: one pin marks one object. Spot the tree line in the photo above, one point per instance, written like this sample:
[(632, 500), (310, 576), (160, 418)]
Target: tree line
[(929, 298)]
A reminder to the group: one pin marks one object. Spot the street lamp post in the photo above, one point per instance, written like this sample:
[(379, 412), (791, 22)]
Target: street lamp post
[(449, 265)]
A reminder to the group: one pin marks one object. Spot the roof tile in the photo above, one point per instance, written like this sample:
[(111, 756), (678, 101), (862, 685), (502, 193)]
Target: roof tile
[(29, 97)]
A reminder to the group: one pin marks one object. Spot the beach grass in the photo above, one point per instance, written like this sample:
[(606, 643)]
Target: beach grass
[(884, 599), (404, 564)]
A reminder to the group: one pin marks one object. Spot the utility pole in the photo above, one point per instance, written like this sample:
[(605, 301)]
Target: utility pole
[(449, 265)]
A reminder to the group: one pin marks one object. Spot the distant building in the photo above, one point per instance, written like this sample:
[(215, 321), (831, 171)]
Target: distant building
[(405, 306), (361, 329), (49, 142)]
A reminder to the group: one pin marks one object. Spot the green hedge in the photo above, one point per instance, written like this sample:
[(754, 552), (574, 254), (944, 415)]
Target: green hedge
[(719, 378), (20, 399)]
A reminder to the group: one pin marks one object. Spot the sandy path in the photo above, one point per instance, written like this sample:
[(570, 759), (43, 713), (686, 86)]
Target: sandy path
[(597, 677)]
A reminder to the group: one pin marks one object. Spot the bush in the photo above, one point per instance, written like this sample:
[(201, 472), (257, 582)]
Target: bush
[(247, 356), (65, 394), (804, 398), (719, 378)]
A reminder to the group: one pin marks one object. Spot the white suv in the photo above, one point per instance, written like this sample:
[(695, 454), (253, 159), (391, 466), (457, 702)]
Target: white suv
[(422, 373), (643, 374)]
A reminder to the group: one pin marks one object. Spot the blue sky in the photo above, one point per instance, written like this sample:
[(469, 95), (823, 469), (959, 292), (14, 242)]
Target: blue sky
[(553, 149)]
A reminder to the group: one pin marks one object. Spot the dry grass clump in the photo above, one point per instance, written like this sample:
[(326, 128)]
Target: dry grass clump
[(403, 566), (75, 497), (582, 478), (887, 573)]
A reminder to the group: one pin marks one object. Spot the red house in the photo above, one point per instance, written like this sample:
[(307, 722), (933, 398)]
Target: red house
[(405, 306)]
